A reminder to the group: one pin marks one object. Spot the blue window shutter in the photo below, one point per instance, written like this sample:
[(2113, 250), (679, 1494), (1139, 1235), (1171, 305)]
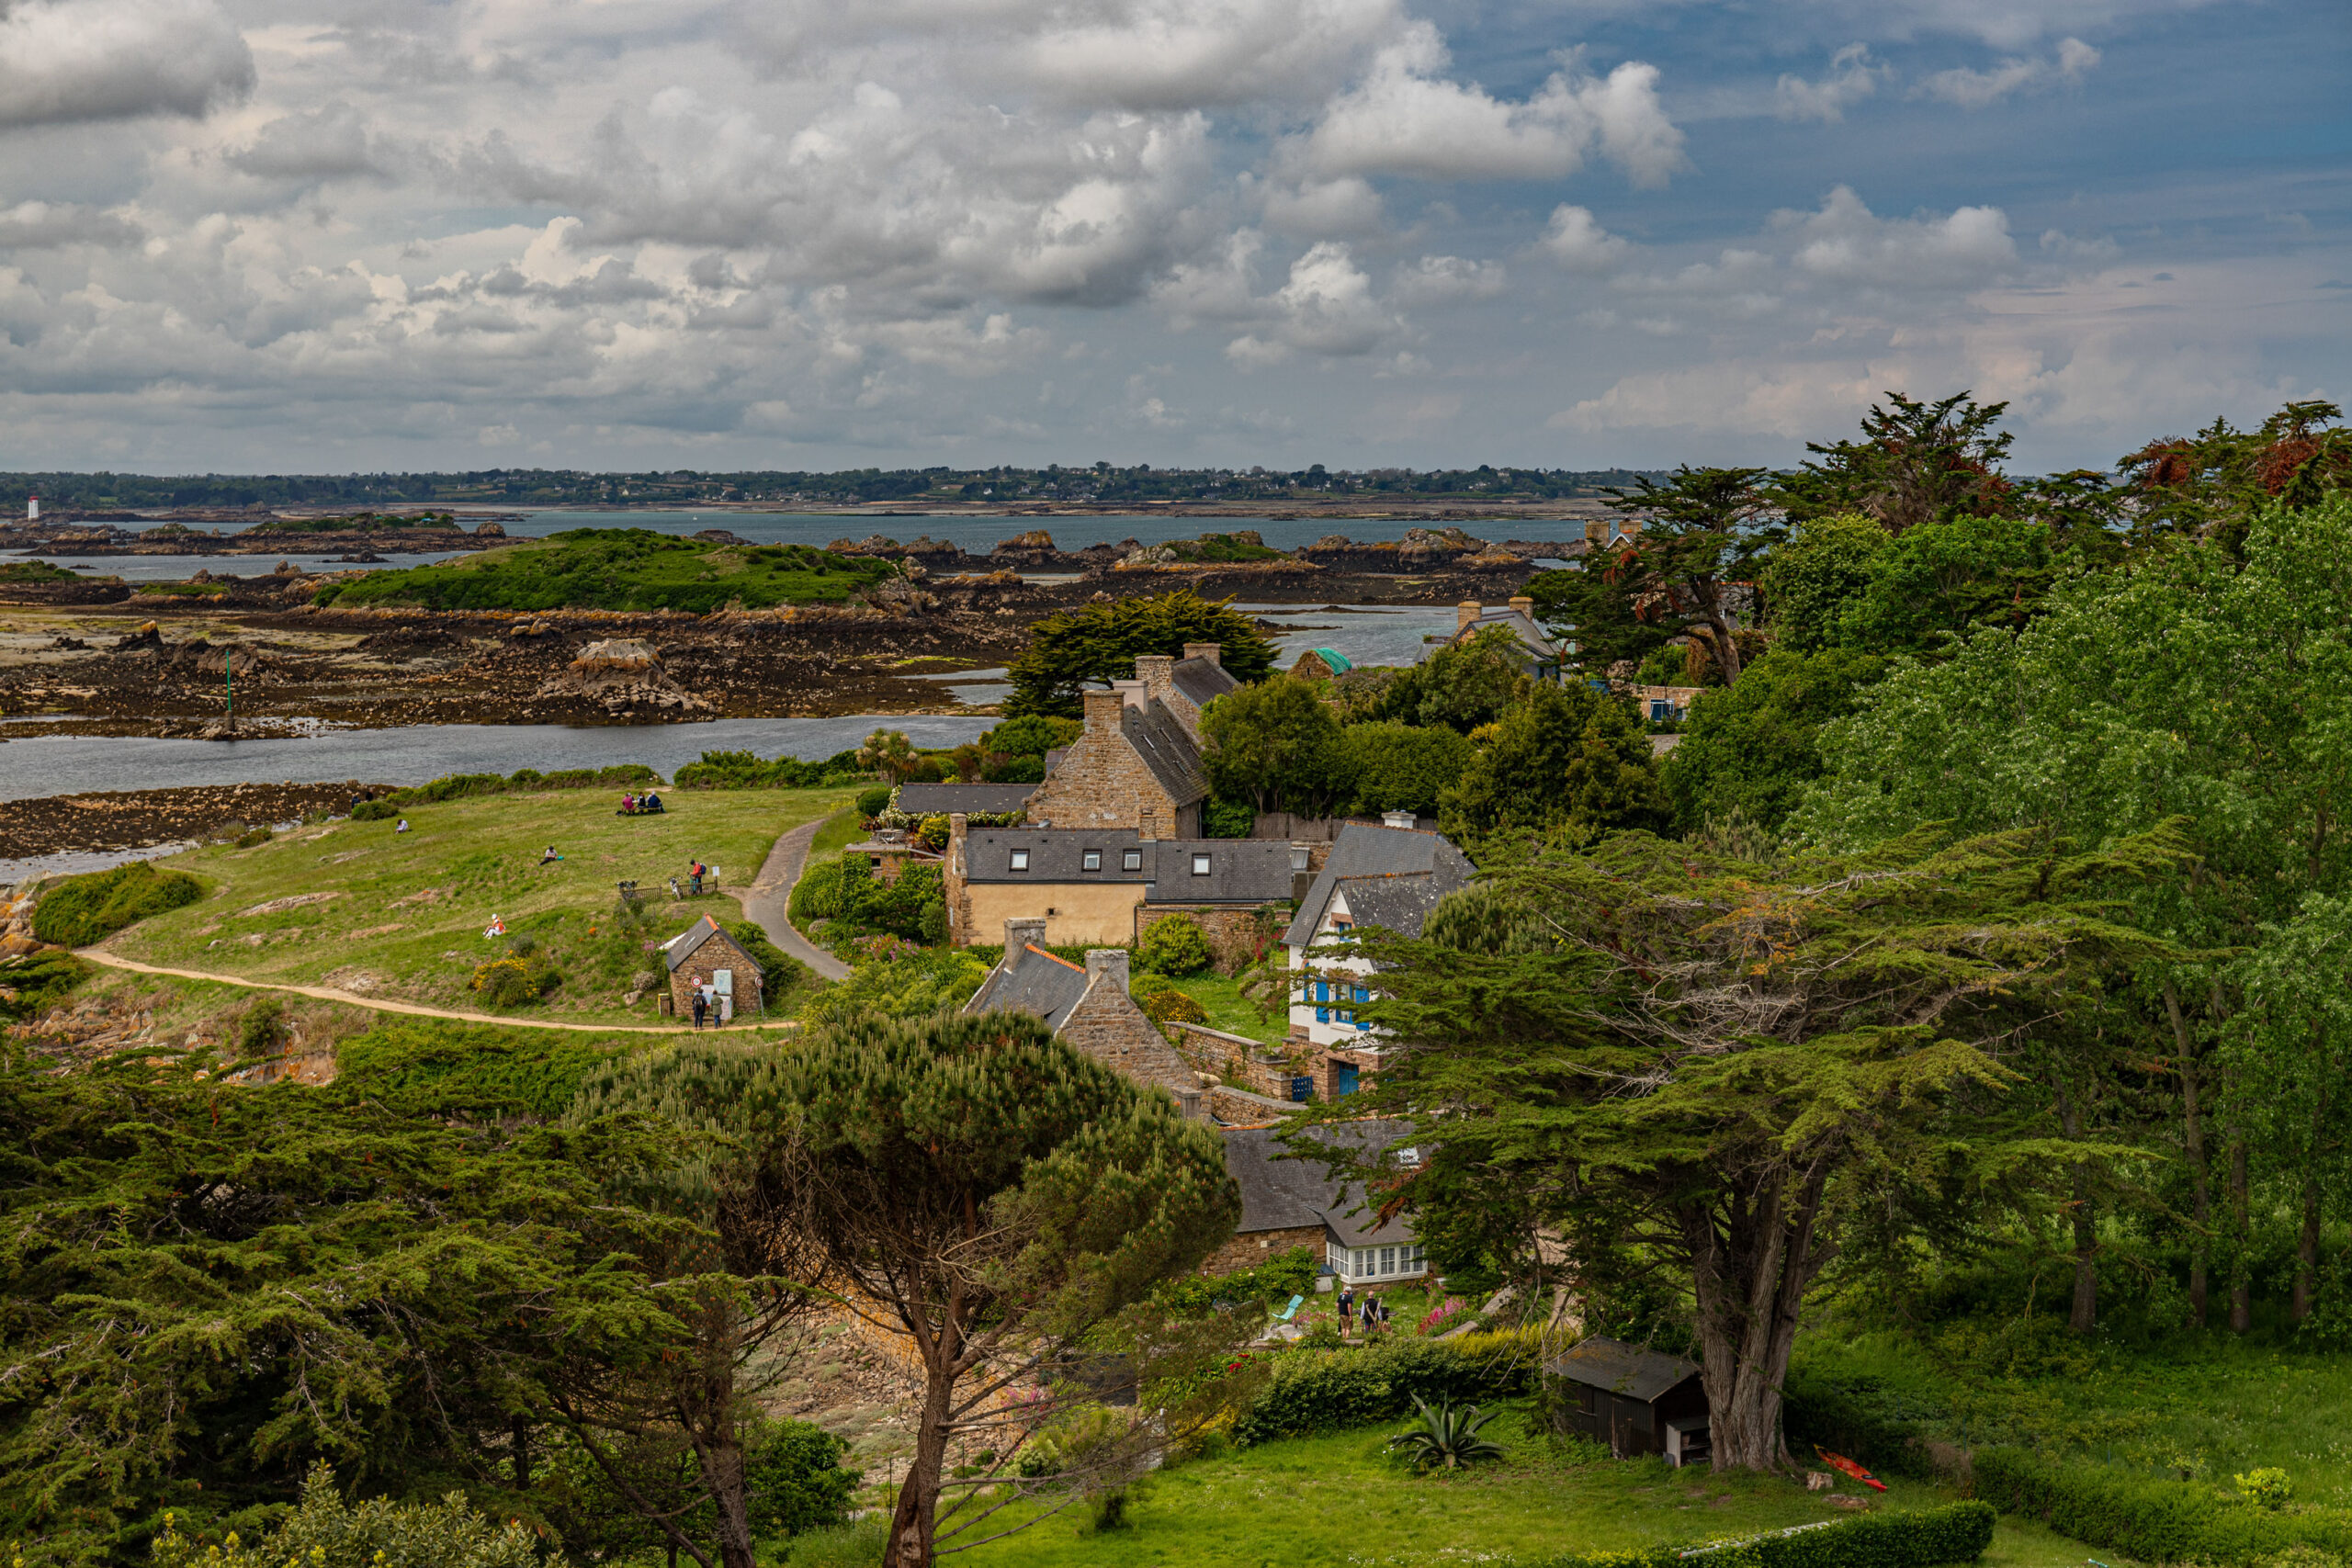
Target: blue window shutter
[(1322, 1015), (1362, 995)]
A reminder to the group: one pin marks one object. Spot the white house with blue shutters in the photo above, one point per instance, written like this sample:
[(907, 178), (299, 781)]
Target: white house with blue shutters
[(1390, 875)]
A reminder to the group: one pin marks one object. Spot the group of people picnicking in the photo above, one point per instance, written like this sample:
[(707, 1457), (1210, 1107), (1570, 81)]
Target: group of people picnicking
[(635, 804)]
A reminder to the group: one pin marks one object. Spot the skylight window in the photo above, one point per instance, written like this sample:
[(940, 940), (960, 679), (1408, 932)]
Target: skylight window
[(1020, 859)]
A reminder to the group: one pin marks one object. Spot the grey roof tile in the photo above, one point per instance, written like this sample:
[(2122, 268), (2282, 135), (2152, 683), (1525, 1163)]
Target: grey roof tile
[(1056, 854), (680, 948), (1364, 850), (941, 799), (1241, 870), (1202, 681), (1161, 741), (1034, 981), (1285, 1194)]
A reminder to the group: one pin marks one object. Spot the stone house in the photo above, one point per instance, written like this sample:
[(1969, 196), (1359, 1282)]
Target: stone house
[(1137, 761), (1392, 877), (1108, 886), (703, 954), (1545, 659), (1297, 1203), (1321, 664), (1089, 1008)]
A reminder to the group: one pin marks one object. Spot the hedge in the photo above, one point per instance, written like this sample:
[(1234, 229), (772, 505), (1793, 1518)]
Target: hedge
[(459, 786), (1957, 1532), (1330, 1390), (2147, 1517), (91, 908)]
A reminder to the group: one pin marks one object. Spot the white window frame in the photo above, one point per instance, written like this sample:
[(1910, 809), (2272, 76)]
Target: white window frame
[(1020, 859), (1200, 865), (1091, 860), (1130, 859)]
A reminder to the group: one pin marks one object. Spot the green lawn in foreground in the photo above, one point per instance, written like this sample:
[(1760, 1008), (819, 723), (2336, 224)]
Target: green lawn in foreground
[(1342, 1500), (406, 912)]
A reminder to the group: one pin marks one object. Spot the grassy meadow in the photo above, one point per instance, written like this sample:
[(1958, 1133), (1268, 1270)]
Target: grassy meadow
[(361, 907), (1343, 1500)]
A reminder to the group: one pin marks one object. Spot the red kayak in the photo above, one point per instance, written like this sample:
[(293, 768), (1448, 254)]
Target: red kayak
[(1847, 1467)]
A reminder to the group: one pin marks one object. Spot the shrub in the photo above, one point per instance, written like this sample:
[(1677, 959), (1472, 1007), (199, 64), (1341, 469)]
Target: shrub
[(1163, 1003), (818, 894), (1015, 770), (83, 909), (327, 1532), (439, 1065), (2146, 1517), (1287, 1273), (1323, 1391), (873, 802), (935, 923), (931, 833), (923, 980), (1885, 1428), (746, 770), (516, 980), (374, 811), (253, 838), (1228, 819), (1031, 736), (1173, 946), (1957, 1532), (31, 981)]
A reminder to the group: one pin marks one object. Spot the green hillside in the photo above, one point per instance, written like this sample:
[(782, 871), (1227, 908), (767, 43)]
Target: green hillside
[(618, 569)]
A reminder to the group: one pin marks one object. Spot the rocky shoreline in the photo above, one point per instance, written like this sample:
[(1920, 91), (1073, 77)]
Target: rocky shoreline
[(130, 820)]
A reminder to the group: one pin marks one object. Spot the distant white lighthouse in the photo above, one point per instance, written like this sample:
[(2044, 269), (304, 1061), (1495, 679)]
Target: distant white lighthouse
[(32, 509)]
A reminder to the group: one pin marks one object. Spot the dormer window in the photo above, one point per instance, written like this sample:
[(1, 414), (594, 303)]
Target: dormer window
[(1200, 865), (1020, 859), (1092, 860), (1130, 859)]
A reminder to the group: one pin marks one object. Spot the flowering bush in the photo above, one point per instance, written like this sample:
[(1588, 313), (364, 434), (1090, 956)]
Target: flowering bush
[(327, 1532), (1442, 1313)]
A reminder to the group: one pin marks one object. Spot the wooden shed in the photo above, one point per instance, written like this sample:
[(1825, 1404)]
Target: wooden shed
[(1636, 1401)]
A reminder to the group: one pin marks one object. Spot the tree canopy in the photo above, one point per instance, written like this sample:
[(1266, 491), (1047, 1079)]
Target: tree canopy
[(1098, 643)]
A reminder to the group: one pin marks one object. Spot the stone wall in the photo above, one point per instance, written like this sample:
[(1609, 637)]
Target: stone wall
[(1248, 1251), (1231, 930), (1102, 782), (1238, 1107), (1247, 1065)]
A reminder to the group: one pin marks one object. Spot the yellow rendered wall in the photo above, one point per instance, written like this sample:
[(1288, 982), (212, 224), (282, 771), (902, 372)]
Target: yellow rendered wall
[(1100, 913)]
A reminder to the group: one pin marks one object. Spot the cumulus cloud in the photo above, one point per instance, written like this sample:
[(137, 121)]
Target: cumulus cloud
[(1326, 209), (1575, 241), (1183, 54), (42, 225), (1976, 89), (1853, 76), (1405, 118), (1845, 243), (321, 143), (64, 62)]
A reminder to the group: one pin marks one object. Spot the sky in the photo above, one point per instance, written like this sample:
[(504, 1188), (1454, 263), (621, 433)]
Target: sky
[(328, 235)]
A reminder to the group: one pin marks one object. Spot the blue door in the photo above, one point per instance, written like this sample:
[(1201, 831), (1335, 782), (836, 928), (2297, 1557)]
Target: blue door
[(1347, 1077)]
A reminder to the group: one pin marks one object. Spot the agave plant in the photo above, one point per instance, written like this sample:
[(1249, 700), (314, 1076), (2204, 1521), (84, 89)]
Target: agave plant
[(1447, 1436)]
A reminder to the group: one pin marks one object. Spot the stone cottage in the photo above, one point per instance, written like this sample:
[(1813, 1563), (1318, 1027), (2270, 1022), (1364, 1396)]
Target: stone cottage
[(703, 954), (1137, 762), (1291, 1202), (1089, 1008)]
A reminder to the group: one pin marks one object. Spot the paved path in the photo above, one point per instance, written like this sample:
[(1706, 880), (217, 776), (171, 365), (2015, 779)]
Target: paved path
[(380, 1004), (767, 902)]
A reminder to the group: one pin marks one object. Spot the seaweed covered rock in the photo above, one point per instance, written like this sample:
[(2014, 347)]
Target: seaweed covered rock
[(623, 675)]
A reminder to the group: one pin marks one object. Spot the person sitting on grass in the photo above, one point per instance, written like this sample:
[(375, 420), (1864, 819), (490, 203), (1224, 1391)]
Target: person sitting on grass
[(403, 826), (550, 857), (628, 803), (652, 802)]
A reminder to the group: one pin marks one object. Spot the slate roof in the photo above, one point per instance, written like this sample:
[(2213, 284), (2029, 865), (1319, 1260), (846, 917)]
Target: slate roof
[(1202, 680), (1622, 1369), (1160, 740), (1056, 854), (1037, 983), (1241, 870), (680, 948), (1289, 1194), (1400, 872), (939, 800)]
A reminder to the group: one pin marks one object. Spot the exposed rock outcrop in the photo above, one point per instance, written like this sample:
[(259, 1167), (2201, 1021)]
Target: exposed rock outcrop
[(623, 675)]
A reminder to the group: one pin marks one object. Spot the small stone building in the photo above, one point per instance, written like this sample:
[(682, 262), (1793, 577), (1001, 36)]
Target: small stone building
[(1089, 1008), (1636, 1401), (1289, 1202), (1137, 762), (703, 954)]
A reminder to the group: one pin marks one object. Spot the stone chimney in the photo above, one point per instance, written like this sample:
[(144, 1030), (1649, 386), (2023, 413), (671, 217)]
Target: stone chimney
[(1108, 964), (1188, 1104), (1465, 615), (1396, 819), (1021, 931), (1102, 711), (1523, 605), (953, 886), (1212, 651), (1157, 673)]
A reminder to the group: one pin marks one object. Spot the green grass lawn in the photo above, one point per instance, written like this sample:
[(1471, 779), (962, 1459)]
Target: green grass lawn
[(620, 568), (1220, 997), (2202, 1406), (1342, 1500), (356, 905), (842, 830)]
